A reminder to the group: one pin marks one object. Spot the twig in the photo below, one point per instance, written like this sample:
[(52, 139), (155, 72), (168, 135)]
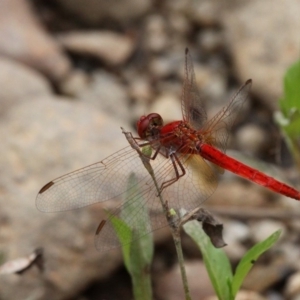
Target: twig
[(170, 214)]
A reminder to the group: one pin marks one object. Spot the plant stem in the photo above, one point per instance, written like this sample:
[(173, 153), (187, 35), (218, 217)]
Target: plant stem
[(294, 147), (177, 242), (175, 231), (142, 288), (171, 215)]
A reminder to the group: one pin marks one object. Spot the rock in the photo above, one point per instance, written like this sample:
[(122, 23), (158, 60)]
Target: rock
[(241, 194), (210, 40), (140, 89), (94, 12), (263, 37), (169, 285), (105, 92), (180, 24), (164, 66), (18, 83), (168, 106), (41, 139), (263, 229), (75, 83), (57, 129), (234, 234), (205, 13), (156, 39), (212, 86), (252, 139), (235, 231), (234, 250), (108, 46), (292, 289), (23, 38), (263, 277), (289, 251), (243, 295)]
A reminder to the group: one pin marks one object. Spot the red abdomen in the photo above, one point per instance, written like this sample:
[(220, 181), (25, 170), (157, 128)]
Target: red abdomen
[(219, 158)]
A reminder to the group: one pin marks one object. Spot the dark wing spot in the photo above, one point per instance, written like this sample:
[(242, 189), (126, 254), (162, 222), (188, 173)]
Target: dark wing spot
[(46, 187), (195, 114), (102, 223)]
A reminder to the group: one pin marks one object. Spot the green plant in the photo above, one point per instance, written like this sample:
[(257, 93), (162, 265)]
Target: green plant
[(137, 253), (135, 261), (138, 256), (288, 118), (225, 283)]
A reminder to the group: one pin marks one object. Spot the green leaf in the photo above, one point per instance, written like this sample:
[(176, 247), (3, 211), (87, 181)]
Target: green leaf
[(140, 271), (249, 258), (289, 117), (291, 102), (216, 261), (124, 234), (142, 226), (136, 242)]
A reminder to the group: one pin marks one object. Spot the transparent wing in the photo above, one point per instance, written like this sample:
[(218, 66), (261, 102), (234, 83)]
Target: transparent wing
[(219, 126), (188, 192), (191, 103), (98, 182), (108, 179)]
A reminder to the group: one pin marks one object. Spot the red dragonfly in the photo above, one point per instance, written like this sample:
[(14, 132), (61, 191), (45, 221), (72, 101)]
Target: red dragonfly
[(187, 157)]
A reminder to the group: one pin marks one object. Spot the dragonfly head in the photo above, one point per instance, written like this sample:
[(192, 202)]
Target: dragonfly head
[(149, 126)]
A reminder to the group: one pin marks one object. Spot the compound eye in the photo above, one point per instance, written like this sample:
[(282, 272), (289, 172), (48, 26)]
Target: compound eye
[(155, 119), (142, 125), (145, 123)]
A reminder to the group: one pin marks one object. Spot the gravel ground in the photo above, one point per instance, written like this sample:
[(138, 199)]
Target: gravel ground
[(73, 72)]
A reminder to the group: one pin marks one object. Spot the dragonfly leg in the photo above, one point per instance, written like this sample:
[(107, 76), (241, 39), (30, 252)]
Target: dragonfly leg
[(179, 172), (178, 167), (137, 143)]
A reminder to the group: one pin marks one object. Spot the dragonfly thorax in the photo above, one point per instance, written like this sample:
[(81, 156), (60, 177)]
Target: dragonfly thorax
[(179, 135)]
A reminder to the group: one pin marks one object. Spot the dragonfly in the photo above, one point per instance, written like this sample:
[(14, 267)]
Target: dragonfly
[(187, 156)]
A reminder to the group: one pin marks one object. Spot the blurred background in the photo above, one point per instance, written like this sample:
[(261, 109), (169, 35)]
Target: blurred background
[(73, 71)]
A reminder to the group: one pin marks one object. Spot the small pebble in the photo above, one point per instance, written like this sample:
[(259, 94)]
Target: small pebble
[(252, 139), (263, 229)]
